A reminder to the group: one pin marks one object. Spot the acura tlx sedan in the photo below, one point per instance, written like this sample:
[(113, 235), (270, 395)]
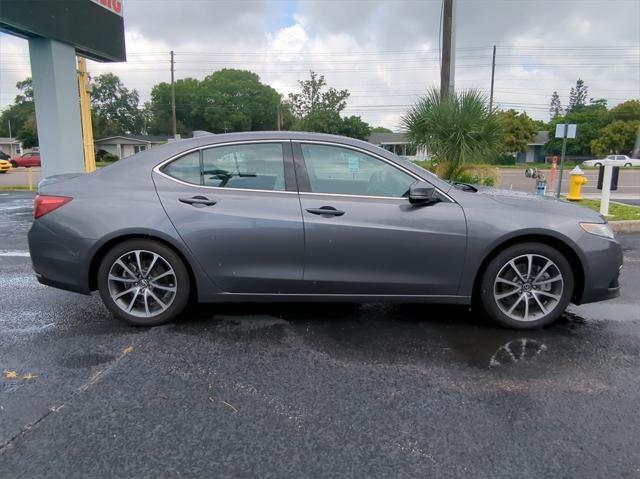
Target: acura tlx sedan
[(282, 216)]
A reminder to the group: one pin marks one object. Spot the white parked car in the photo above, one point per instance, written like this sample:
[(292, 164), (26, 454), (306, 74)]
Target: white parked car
[(618, 160)]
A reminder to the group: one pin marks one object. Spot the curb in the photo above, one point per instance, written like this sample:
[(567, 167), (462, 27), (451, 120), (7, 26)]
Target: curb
[(625, 226)]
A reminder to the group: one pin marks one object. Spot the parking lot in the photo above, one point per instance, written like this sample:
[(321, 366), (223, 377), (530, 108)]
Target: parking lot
[(310, 390)]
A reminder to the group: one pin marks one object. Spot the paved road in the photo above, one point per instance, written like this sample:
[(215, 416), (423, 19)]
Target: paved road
[(311, 390), (20, 177), (628, 182)]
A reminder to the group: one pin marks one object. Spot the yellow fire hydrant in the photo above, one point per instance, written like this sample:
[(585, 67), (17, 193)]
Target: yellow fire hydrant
[(577, 180)]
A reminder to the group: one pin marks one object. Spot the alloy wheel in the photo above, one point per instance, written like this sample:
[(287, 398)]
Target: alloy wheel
[(528, 287), (142, 283)]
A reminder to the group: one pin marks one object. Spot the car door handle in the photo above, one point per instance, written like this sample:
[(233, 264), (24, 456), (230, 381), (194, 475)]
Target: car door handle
[(197, 201), (325, 210)]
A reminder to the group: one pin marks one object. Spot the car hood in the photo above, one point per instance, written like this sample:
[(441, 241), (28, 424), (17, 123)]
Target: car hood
[(541, 204)]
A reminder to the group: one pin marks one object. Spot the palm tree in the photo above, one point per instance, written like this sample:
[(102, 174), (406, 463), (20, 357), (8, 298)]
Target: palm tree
[(455, 130)]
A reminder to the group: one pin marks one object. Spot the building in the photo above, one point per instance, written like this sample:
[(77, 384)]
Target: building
[(127, 145), (11, 146), (399, 144), (535, 149)]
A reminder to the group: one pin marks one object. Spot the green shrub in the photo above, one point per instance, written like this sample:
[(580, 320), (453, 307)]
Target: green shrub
[(504, 159), (109, 158)]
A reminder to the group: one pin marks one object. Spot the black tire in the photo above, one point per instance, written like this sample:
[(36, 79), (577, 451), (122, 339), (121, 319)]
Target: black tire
[(182, 282), (3, 172), (627, 165), (597, 165), (490, 303), (14, 164)]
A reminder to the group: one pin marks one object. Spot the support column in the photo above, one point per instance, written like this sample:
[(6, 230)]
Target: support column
[(55, 90)]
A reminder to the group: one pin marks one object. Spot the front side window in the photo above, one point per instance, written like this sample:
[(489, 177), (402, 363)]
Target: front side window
[(257, 166), (338, 170)]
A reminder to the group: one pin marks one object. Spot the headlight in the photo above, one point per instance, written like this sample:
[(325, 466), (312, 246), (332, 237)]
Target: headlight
[(598, 229)]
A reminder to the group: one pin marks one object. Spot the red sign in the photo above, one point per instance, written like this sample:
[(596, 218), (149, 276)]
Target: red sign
[(114, 6)]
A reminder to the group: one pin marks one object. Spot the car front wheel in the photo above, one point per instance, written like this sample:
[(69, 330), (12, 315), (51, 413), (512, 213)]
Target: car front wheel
[(627, 165), (527, 286), (143, 282)]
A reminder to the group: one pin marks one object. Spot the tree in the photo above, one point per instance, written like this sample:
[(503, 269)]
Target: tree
[(235, 100), (578, 96), (318, 109), (456, 130), (590, 119), (517, 130), (187, 116), (311, 97), (626, 111), (354, 127), (617, 137), (114, 107), (22, 115), (555, 108), (380, 129)]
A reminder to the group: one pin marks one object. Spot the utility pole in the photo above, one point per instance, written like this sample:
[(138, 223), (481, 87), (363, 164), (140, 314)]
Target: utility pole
[(448, 66), (279, 118), (493, 72), (9, 121), (173, 100)]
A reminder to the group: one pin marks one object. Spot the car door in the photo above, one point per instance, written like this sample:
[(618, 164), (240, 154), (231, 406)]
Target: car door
[(362, 236), (236, 208)]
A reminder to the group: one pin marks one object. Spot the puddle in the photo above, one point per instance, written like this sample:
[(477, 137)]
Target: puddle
[(78, 361), (516, 351)]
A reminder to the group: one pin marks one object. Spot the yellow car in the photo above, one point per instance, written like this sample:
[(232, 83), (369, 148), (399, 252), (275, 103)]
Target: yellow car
[(4, 166)]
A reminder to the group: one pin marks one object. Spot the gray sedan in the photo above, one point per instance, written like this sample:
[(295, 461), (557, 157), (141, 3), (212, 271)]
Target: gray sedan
[(282, 216)]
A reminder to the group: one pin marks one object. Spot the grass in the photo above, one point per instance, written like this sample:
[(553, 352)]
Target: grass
[(617, 211), (17, 187)]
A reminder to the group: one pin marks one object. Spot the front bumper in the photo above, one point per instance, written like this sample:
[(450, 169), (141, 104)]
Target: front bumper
[(602, 263)]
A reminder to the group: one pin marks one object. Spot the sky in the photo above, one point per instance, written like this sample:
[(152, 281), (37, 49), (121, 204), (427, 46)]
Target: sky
[(386, 53)]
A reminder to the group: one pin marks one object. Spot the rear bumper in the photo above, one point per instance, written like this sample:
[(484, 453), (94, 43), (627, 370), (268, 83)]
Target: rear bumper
[(602, 266), (60, 258)]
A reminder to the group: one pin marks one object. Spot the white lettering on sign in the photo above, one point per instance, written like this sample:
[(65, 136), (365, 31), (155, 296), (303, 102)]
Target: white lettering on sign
[(114, 6)]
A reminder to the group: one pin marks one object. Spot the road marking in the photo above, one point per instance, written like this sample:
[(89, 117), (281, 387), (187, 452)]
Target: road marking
[(15, 254)]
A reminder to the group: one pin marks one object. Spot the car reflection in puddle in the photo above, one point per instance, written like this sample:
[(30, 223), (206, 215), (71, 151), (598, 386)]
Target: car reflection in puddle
[(515, 351)]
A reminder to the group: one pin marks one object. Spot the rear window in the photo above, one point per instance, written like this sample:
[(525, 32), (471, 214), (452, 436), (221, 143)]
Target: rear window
[(256, 166)]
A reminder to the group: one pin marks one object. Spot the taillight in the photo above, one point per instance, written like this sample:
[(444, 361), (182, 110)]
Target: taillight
[(46, 204)]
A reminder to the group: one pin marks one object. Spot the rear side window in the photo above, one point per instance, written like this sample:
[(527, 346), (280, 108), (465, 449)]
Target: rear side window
[(185, 168), (254, 166), (257, 166)]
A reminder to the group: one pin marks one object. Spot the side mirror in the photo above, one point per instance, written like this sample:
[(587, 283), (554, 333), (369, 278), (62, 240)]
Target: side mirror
[(422, 193)]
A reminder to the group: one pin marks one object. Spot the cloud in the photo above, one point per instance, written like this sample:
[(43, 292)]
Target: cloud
[(386, 53)]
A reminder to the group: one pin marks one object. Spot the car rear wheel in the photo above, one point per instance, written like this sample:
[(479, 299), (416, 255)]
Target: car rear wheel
[(14, 164), (597, 165), (627, 165), (143, 282), (527, 286)]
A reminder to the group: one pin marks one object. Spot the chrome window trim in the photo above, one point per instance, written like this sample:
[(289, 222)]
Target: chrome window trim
[(375, 155), (157, 168)]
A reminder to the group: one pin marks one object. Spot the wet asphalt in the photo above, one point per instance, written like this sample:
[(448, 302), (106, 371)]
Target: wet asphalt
[(310, 390)]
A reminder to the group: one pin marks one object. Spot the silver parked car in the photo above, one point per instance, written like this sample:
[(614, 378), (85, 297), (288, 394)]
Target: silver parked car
[(282, 216)]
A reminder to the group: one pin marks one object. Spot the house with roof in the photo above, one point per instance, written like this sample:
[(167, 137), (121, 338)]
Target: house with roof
[(535, 149), (11, 146), (127, 145), (399, 144)]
